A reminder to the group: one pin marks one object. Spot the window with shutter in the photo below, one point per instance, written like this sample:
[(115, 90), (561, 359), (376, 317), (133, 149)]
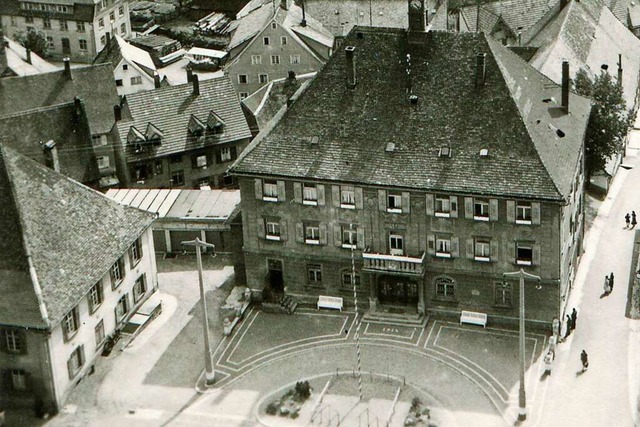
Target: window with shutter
[(95, 297), (429, 204), (394, 202), (524, 253), (310, 194), (312, 233), (272, 229), (347, 197), (523, 213), (468, 207), (481, 209), (70, 323), (320, 194), (482, 250), (349, 236), (493, 209), (270, 191), (283, 230), (258, 188), (511, 211), (443, 246), (406, 202), (281, 191)]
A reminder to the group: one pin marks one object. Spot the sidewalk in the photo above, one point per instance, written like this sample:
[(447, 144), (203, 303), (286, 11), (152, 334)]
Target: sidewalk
[(607, 394)]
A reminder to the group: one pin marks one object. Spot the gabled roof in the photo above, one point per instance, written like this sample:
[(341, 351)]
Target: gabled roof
[(118, 49), (65, 124), (94, 84), (250, 25), (16, 60), (170, 108), (507, 115), (517, 15), (83, 10), (71, 234), (621, 9), (588, 35)]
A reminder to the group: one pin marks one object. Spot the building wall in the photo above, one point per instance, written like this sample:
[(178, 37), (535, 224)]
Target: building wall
[(475, 280), (242, 65), (112, 27), (127, 77)]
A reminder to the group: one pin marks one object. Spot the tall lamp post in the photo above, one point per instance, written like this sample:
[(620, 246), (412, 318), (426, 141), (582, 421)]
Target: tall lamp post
[(522, 398), (208, 362)]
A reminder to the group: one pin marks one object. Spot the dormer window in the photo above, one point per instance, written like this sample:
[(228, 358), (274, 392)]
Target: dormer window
[(215, 124), (153, 135), (136, 139), (445, 152), (196, 127)]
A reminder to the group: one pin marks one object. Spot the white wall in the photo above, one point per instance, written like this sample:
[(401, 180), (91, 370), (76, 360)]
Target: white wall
[(125, 75)]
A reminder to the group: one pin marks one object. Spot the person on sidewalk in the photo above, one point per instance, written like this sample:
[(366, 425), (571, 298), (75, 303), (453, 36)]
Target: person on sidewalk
[(585, 360), (548, 362), (574, 317), (607, 286), (568, 328), (633, 219), (611, 281), (627, 219)]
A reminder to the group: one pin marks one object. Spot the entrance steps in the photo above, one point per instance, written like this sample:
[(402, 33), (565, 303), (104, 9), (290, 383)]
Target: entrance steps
[(288, 303), (385, 316)]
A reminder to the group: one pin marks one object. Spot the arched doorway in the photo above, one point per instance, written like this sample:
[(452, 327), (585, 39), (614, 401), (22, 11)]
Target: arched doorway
[(397, 290)]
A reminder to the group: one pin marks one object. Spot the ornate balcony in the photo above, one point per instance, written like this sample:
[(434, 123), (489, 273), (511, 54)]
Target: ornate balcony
[(400, 264)]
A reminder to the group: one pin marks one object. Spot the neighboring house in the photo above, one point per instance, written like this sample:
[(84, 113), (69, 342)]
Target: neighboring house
[(436, 181), (58, 137), (77, 29), (75, 266), (133, 68), (183, 136), (272, 40), (627, 12), (15, 60), (92, 84), (163, 50)]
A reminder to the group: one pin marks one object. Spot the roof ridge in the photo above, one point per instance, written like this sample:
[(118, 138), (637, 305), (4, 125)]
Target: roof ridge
[(39, 110)]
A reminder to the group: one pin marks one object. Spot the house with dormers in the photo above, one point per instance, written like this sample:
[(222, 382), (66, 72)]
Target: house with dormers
[(272, 40), (418, 167), (75, 267), (183, 136)]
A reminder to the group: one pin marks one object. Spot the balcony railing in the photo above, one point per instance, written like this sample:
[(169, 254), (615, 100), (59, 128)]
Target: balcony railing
[(394, 263)]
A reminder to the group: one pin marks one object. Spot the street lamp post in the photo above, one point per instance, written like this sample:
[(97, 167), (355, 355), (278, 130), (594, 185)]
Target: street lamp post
[(522, 398), (208, 362)]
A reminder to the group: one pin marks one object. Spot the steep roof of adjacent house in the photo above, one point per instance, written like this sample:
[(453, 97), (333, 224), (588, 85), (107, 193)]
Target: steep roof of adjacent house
[(94, 84), (169, 110), (517, 15), (21, 65), (83, 10), (373, 135), (119, 49), (588, 35), (64, 124), (621, 9), (70, 234)]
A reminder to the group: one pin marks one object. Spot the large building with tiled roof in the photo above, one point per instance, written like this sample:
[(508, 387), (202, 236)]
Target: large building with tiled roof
[(77, 29), (272, 40), (439, 161), (183, 136), (75, 267)]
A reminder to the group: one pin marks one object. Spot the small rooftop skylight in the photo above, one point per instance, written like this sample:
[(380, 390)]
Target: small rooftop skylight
[(315, 140), (391, 147), (445, 152), (484, 152)]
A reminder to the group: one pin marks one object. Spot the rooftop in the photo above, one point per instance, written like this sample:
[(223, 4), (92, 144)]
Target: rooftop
[(69, 233), (518, 15), (118, 49), (514, 115), (21, 65)]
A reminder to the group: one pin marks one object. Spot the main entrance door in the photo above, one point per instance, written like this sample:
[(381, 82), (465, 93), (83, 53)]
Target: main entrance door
[(275, 280), (397, 290)]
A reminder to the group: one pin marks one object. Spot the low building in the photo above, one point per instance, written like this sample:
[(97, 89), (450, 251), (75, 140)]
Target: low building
[(183, 136), (75, 266)]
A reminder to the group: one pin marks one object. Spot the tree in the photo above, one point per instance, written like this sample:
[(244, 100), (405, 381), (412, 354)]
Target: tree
[(33, 40), (609, 120)]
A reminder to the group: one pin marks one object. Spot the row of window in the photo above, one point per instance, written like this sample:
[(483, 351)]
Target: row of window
[(135, 80), (123, 32), (45, 7), (346, 236), (66, 44), (275, 60), (267, 40), (350, 197), (112, 16)]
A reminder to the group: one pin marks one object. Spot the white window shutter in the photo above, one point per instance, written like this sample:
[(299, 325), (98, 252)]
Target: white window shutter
[(359, 198), (258, 185), (284, 235), (431, 244), (299, 232), (455, 247), (320, 191), (511, 211), (337, 235), (261, 228), (535, 213), (406, 202), (297, 192), (453, 200), (535, 256), (335, 196), (360, 236), (470, 249), (512, 251), (429, 204), (495, 250), (493, 209), (323, 233), (382, 200), (468, 207), (282, 196)]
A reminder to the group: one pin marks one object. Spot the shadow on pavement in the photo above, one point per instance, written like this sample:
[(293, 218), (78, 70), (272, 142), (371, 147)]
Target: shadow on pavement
[(184, 407)]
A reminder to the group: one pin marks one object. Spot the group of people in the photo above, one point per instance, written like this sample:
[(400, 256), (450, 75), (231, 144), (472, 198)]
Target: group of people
[(570, 322), (608, 284), (631, 219)]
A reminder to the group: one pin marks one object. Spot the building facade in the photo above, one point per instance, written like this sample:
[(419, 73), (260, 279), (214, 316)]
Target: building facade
[(77, 29)]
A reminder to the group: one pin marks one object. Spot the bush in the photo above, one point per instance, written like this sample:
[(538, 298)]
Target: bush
[(272, 409), (416, 403), (294, 415), (303, 391)]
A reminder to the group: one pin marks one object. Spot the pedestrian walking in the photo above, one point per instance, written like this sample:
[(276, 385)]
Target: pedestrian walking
[(568, 328), (633, 219), (574, 317), (607, 287), (548, 362), (611, 281), (584, 358), (627, 219)]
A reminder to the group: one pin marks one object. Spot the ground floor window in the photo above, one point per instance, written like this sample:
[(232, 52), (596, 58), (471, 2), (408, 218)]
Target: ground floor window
[(503, 292), (75, 362), (122, 307), (314, 274), (347, 277), (99, 333), (139, 288), (445, 288), (19, 379)]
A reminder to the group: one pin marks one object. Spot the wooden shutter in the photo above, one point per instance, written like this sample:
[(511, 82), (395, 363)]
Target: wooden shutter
[(3, 340), (323, 233), (535, 256), (382, 200), (359, 198), (535, 213), (493, 209), (455, 247), (70, 368), (337, 235), (431, 244), (429, 204), (470, 249), (360, 236), (511, 211), (194, 162), (131, 260), (261, 228), (468, 207), (218, 156), (258, 186), (495, 250), (320, 192), (282, 196), (297, 192), (406, 202), (234, 152), (512, 251), (335, 196), (300, 232), (284, 235), (453, 200), (82, 358)]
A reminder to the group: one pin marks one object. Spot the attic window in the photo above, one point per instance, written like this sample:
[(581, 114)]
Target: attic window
[(215, 124), (413, 99), (153, 134), (445, 152), (314, 140), (135, 138), (196, 127), (391, 147), (360, 34), (484, 152)]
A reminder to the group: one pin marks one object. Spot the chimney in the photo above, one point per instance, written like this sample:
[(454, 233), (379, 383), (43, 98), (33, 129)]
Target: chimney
[(28, 52), (304, 18), (52, 154), (196, 85), (67, 68), (117, 113), (350, 52), (563, 3), (156, 80), (481, 68), (284, 4), (620, 69), (565, 86), (189, 75)]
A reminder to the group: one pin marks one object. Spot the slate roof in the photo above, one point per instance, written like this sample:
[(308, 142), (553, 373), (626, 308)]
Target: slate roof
[(620, 9), (72, 234), (518, 15), (170, 108), (587, 34), (94, 84), (507, 116), (26, 132)]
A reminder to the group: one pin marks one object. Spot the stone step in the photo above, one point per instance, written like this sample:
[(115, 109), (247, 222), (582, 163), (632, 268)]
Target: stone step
[(292, 308), (412, 319)]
